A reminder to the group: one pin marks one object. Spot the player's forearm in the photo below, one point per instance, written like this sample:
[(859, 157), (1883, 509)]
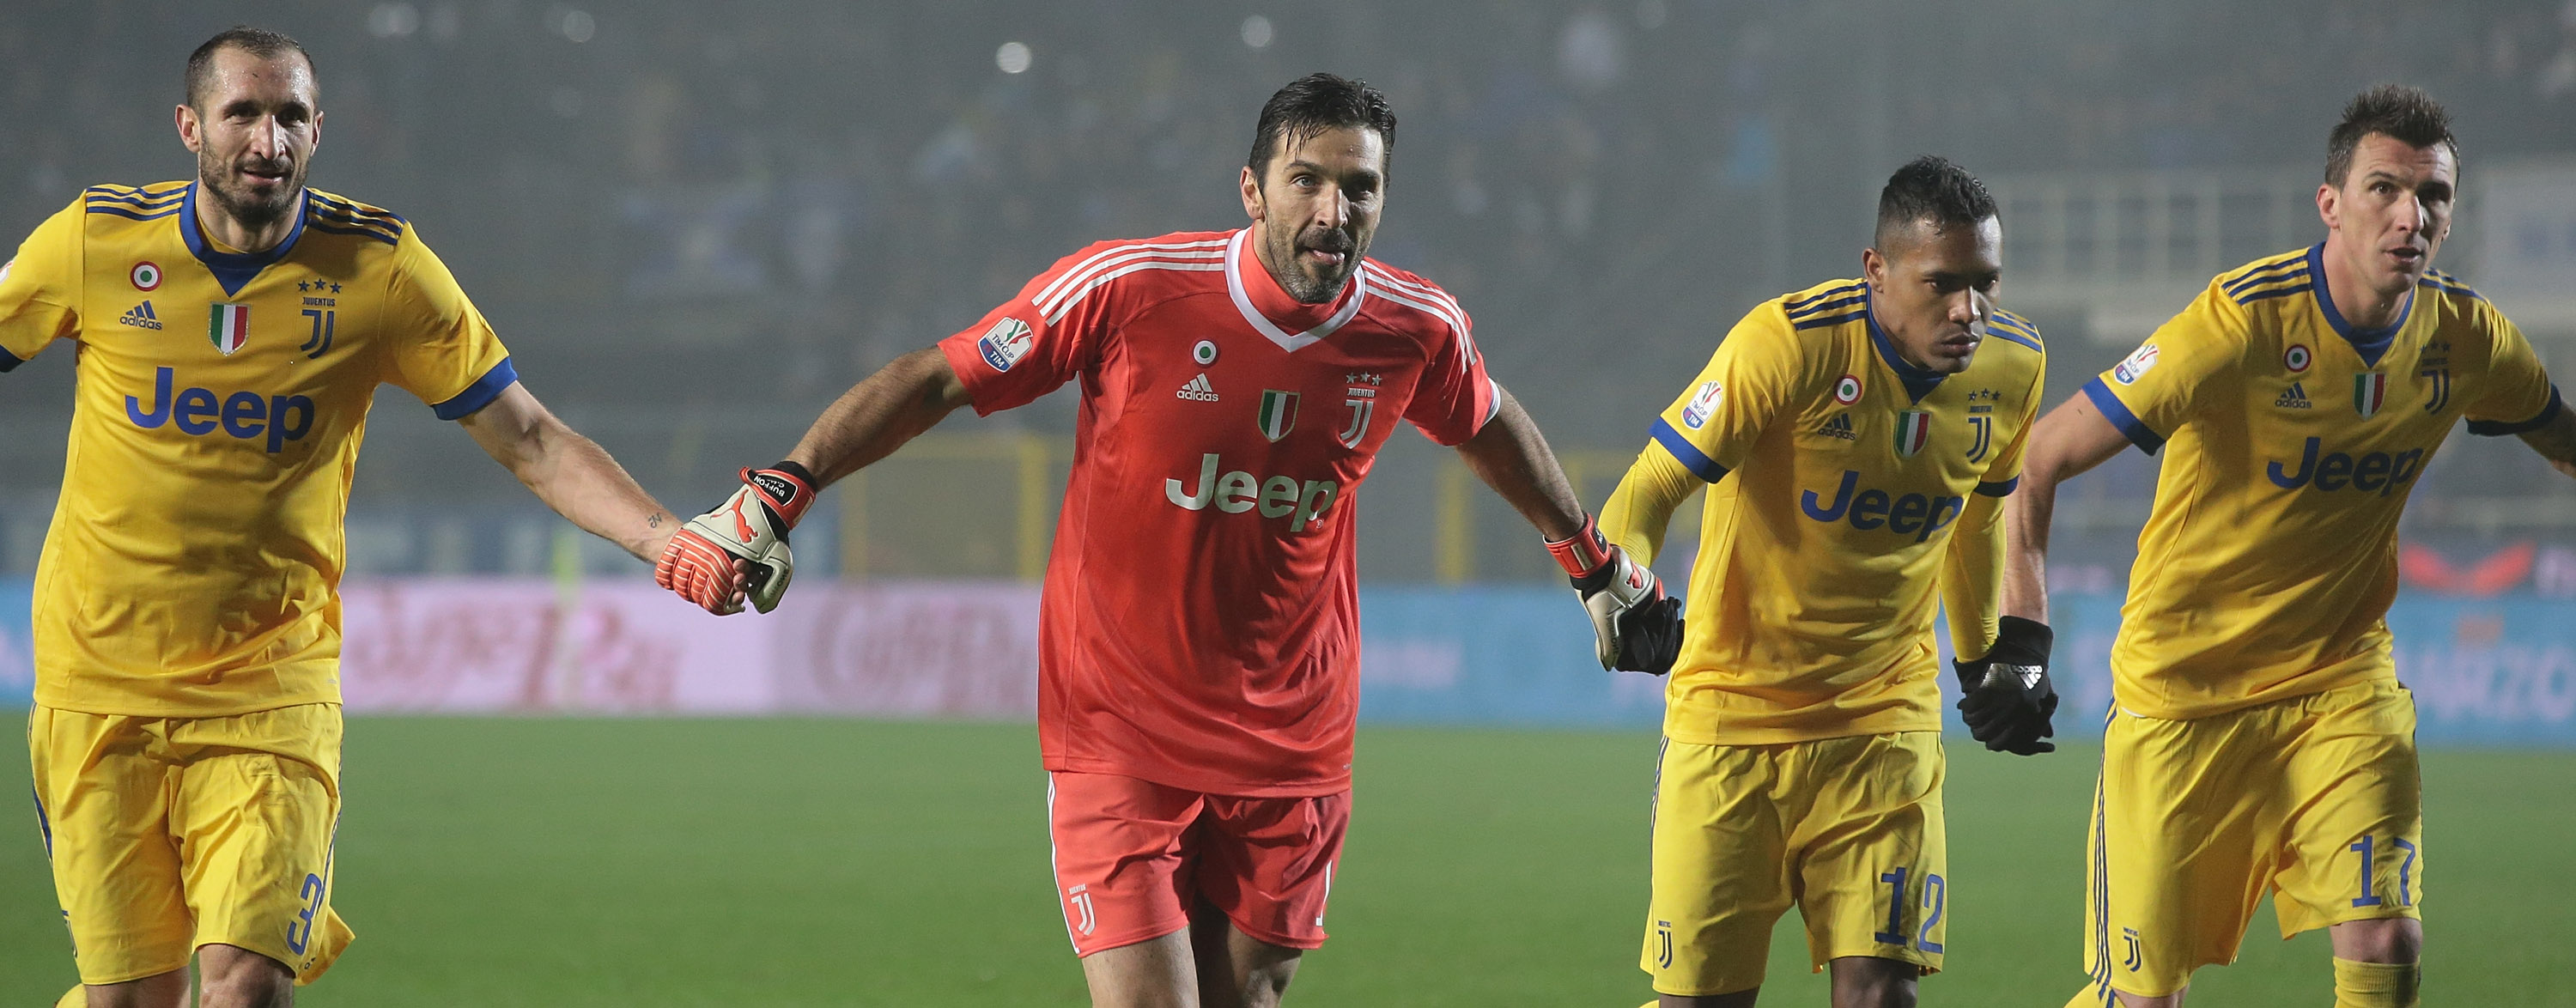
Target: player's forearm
[(880, 413), (2556, 441), (2025, 544), (1635, 517), (1970, 570), (1513, 458), (578, 479), (2070, 440)]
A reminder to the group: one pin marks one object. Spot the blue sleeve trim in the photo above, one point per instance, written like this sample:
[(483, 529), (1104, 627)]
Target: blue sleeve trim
[(2481, 428), (1687, 453), (2118, 413), (8, 361), (479, 394), (1998, 489)]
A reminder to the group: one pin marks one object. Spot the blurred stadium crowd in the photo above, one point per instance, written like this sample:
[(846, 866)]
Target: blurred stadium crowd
[(696, 223)]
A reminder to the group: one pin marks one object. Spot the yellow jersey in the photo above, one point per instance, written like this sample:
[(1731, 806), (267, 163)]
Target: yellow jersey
[(193, 563), (2291, 439), (1845, 486)]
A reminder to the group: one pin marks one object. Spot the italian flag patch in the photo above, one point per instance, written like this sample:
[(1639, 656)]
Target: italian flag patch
[(1278, 413), (229, 327), (1913, 431), (2369, 392)]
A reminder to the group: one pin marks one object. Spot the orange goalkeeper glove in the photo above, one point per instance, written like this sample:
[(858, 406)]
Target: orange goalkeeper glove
[(748, 528)]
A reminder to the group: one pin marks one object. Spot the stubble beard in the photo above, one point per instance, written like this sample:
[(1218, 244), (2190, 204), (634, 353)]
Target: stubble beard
[(1292, 275), (251, 212)]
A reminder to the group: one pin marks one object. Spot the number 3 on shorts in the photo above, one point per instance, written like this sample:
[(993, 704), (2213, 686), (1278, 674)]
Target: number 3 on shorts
[(297, 936), (1936, 892)]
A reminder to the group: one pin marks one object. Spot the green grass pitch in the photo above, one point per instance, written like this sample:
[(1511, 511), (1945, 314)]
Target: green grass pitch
[(815, 862)]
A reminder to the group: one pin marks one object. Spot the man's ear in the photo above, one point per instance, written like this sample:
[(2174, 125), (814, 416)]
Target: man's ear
[(1251, 186), (1873, 268), (191, 132), (2329, 205)]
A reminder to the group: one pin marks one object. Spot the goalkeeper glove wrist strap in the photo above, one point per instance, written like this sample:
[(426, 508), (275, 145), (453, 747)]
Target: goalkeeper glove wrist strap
[(1583, 553), (787, 488)]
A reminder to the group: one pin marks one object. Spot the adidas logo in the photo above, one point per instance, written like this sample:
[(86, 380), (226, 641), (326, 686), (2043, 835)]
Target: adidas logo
[(1198, 390), (1838, 426), (2294, 397), (141, 317)]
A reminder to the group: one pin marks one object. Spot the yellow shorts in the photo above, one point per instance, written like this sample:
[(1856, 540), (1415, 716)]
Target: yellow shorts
[(171, 833), (2315, 799), (1849, 829)]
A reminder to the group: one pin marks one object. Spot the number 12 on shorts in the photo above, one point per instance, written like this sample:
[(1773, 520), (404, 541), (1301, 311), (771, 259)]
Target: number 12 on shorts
[(2405, 873), (1936, 892)]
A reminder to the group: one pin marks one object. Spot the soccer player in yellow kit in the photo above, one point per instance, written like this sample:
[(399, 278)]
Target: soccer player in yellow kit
[(2260, 739), (1856, 438), (232, 331)]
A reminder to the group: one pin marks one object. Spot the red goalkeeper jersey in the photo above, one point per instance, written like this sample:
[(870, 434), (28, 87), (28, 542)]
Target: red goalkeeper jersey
[(1200, 627)]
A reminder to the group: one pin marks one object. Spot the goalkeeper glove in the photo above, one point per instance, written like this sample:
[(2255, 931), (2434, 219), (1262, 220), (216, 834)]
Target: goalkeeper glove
[(1635, 627), (750, 527), (2006, 696)]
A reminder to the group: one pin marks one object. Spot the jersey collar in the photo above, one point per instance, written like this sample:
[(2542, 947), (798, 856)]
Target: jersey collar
[(2369, 343), (1918, 382), (1261, 301), (234, 269)]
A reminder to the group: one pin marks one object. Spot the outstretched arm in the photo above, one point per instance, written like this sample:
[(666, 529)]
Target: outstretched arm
[(571, 473), (1513, 458), (884, 410), (1635, 627), (2072, 438)]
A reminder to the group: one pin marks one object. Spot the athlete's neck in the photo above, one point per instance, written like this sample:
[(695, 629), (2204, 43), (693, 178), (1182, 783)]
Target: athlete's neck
[(220, 227), (2360, 305)]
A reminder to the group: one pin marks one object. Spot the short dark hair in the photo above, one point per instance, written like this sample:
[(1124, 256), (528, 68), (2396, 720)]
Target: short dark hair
[(1932, 189), (2401, 113), (259, 42), (1314, 103)]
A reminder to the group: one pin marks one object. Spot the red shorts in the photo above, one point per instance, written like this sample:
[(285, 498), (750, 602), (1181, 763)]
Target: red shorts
[(1133, 857)]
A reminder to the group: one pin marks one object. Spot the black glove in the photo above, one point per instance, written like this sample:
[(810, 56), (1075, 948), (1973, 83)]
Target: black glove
[(1644, 635), (2006, 696)]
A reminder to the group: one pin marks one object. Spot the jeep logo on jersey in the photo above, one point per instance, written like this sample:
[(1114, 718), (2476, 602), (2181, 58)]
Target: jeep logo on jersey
[(244, 415), (1702, 404), (1238, 491), (1005, 343), (1278, 413), (1913, 514), (228, 325), (2378, 472)]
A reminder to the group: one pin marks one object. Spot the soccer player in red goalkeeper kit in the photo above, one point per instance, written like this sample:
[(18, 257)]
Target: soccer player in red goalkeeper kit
[(1199, 638)]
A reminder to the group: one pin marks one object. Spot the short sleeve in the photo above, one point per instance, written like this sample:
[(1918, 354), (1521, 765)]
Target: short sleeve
[(442, 350), (1454, 396), (40, 288), (2515, 395), (1044, 336), (1754, 373), (2158, 387)]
